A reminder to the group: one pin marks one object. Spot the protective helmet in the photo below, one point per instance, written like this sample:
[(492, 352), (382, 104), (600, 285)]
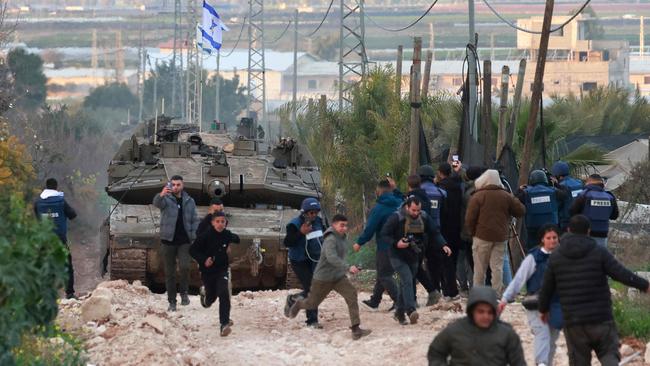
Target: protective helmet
[(560, 169), (537, 177), (310, 204), (426, 171)]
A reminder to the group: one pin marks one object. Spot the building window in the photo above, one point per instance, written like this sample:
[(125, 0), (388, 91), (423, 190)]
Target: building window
[(589, 86), (646, 80), (605, 55), (583, 56), (312, 84), (558, 33), (457, 81)]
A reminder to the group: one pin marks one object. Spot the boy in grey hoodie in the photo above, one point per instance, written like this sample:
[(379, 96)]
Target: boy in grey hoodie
[(331, 275)]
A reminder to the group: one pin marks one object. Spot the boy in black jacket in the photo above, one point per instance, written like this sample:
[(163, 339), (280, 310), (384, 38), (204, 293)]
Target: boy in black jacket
[(210, 250)]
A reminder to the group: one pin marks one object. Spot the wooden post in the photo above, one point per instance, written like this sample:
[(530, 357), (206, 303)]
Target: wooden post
[(486, 113), (427, 75), (503, 109), (398, 71), (516, 103), (416, 102), (536, 96)]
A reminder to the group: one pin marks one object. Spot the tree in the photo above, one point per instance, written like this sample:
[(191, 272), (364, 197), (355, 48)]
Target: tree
[(593, 27), (232, 99), (29, 79), (114, 95), (326, 47)]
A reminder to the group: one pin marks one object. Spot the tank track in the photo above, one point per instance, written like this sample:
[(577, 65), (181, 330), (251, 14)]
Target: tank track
[(128, 264)]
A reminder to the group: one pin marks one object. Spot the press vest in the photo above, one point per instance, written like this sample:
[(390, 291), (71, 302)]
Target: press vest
[(52, 208), (574, 188), (436, 196), (534, 283), (308, 247), (541, 206), (599, 205)]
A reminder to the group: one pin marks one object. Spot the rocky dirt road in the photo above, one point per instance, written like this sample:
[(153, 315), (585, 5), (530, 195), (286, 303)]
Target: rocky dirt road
[(137, 330)]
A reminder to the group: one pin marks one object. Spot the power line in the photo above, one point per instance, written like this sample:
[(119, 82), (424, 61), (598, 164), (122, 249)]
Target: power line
[(511, 24), (241, 32), (281, 34), (321, 22), (408, 26)]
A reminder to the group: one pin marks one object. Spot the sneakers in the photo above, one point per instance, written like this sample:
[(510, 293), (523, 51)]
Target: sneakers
[(401, 318), (464, 293), (185, 300), (452, 298), (225, 330), (288, 304), (357, 332), (172, 306), (371, 304), (315, 325), (294, 310), (434, 297), (71, 296), (413, 317), (202, 297)]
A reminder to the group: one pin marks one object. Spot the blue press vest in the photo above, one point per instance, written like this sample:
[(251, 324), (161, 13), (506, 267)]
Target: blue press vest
[(52, 208), (574, 188), (599, 205), (436, 196), (298, 252), (534, 284), (541, 206)]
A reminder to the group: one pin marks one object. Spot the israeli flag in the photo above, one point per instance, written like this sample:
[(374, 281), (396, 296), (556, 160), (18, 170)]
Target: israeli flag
[(209, 32)]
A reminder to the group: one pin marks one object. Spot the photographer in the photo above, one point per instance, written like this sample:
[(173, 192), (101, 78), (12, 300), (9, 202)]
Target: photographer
[(410, 232), (305, 239), (210, 250)]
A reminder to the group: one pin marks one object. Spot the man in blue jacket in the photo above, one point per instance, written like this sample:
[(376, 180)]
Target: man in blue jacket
[(387, 203), (598, 205), (51, 205), (305, 240), (573, 187)]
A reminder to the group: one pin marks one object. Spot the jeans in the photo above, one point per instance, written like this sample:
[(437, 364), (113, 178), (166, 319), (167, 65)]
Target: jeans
[(320, 289), (600, 241), (385, 280), (465, 266), (507, 271), (216, 286), (170, 253), (601, 338), (406, 272), (545, 338), (488, 254), (304, 270)]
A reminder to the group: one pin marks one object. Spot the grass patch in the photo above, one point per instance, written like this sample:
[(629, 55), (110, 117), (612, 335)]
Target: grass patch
[(54, 349), (632, 317)]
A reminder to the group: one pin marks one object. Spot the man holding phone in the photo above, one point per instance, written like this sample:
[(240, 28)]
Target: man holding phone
[(178, 225)]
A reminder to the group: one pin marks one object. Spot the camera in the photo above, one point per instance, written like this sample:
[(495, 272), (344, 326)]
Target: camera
[(413, 242)]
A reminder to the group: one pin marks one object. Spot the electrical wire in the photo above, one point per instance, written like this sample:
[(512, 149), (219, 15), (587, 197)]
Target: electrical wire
[(403, 28), (281, 34), (511, 24), (241, 32), (321, 22)]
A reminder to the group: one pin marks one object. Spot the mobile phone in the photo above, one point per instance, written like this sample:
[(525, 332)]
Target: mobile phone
[(454, 157), (169, 185)]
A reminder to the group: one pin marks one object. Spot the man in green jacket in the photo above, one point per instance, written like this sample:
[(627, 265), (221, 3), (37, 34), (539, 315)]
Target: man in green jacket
[(331, 275), (480, 338)]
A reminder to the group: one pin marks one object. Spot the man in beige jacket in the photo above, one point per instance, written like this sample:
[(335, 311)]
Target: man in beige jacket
[(489, 214)]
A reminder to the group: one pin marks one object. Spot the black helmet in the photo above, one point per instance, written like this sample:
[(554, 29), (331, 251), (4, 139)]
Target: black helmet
[(537, 177), (426, 171)]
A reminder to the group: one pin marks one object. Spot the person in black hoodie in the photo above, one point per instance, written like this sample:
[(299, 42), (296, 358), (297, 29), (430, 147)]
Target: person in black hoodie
[(578, 273), (210, 250), (216, 205)]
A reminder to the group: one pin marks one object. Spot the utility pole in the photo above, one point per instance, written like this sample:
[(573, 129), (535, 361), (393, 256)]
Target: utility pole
[(294, 84), (398, 71), (175, 73), (503, 109), (256, 65), (486, 113), (194, 71), (492, 46), (641, 38), (416, 102), (536, 96), (155, 92), (217, 89), (427, 74), (352, 48), (119, 58), (140, 76), (432, 39), (94, 62), (471, 60), (516, 103)]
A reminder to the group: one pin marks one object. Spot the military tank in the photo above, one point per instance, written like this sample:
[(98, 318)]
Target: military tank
[(261, 186)]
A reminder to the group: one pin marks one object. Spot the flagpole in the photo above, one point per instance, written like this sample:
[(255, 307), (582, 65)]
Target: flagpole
[(217, 93)]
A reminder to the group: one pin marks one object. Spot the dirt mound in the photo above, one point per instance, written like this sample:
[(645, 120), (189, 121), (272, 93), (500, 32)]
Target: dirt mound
[(139, 331)]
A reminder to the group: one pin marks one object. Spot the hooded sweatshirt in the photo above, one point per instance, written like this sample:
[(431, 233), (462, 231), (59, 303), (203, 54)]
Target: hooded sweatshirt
[(387, 203), (332, 265), (469, 345), (491, 208), (578, 271), (53, 206)]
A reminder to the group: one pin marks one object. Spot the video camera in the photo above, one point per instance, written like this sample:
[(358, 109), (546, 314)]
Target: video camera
[(413, 242)]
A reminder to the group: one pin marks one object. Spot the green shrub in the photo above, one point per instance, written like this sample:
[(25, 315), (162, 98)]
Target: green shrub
[(32, 269), (632, 317)]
